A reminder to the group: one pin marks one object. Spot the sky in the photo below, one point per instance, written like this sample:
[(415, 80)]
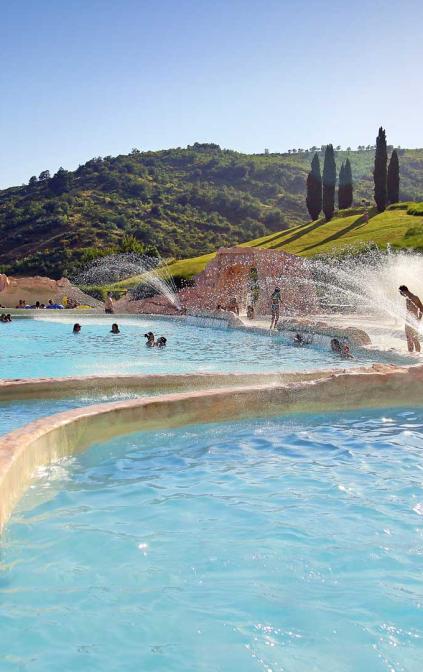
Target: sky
[(85, 78)]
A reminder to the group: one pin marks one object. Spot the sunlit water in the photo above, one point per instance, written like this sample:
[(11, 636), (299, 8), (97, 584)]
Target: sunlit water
[(287, 545), (15, 414), (41, 348)]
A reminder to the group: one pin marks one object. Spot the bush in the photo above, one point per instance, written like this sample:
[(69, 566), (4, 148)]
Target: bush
[(416, 209)]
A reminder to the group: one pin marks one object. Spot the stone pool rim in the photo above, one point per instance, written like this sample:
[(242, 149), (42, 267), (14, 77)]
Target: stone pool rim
[(64, 434)]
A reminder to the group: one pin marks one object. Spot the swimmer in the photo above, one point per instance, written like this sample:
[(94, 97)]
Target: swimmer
[(233, 306), (161, 342), (345, 353), (414, 314), (115, 329), (108, 306), (299, 340), (275, 307), (335, 346), (76, 328), (341, 349), (150, 339)]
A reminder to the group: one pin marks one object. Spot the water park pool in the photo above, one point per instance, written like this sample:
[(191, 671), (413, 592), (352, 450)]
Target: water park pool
[(34, 348), (291, 544), (15, 414)]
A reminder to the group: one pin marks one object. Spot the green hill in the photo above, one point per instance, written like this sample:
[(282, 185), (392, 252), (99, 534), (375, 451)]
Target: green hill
[(400, 227), (180, 202)]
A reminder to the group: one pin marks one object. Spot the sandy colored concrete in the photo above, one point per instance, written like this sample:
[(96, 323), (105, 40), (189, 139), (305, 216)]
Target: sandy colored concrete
[(58, 388), (64, 434)]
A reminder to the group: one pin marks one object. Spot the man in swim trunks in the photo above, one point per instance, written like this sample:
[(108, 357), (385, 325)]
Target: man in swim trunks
[(275, 306), (108, 306), (414, 313)]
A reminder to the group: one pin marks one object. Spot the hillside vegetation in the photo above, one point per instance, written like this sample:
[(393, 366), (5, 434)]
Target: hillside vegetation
[(177, 202), (400, 227)]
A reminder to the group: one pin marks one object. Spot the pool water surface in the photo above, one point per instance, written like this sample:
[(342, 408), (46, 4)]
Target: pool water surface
[(34, 348), (293, 545)]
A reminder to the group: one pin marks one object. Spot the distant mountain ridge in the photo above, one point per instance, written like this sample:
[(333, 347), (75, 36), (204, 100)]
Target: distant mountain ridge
[(180, 202)]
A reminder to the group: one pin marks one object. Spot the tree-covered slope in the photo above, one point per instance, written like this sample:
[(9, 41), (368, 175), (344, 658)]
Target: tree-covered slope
[(400, 227), (180, 202)]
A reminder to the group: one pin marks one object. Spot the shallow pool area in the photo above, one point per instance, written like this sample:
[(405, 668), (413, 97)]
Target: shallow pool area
[(46, 347), (287, 544), (16, 413)]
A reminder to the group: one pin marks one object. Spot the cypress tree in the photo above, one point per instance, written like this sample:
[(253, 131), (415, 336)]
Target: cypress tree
[(348, 185), (341, 187), (393, 178), (329, 182), (314, 189), (379, 172)]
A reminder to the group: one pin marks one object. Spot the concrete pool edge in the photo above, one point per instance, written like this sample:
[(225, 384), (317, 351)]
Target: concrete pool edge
[(67, 433), (58, 388)]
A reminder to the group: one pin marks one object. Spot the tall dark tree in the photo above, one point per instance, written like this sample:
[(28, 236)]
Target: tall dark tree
[(348, 185), (380, 171), (393, 178), (341, 187), (329, 182), (314, 189)]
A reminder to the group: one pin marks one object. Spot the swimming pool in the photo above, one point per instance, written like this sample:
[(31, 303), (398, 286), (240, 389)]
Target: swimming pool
[(14, 414), (292, 544), (47, 348)]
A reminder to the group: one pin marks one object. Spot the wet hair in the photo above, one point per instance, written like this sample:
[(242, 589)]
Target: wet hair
[(149, 334), (336, 345), (76, 328), (115, 327), (161, 341), (403, 288)]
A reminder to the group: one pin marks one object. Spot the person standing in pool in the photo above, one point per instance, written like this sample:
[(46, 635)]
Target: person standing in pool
[(108, 306), (275, 303), (414, 313)]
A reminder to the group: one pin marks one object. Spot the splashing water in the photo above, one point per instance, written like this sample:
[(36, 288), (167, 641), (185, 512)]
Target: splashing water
[(150, 271), (366, 284)]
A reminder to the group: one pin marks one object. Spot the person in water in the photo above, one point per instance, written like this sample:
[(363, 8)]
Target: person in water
[(108, 306), (342, 349), (250, 305), (414, 313), (336, 346), (115, 329), (161, 342), (233, 306), (150, 339), (275, 304), (76, 328)]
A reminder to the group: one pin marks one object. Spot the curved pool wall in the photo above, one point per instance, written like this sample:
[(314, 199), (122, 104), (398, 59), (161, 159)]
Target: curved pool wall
[(57, 388), (64, 434)]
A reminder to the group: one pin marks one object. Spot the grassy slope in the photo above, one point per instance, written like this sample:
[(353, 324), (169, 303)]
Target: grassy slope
[(393, 227)]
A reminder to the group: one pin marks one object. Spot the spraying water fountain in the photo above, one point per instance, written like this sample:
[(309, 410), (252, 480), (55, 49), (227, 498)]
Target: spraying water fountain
[(363, 290), (150, 271)]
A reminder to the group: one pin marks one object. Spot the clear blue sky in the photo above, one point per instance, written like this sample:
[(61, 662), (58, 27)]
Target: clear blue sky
[(84, 78)]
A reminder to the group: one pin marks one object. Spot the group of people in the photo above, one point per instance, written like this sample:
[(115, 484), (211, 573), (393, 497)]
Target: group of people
[(150, 342), (39, 306), (5, 317)]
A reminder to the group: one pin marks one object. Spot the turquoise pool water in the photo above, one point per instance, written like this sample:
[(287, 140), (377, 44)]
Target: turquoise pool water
[(15, 414), (289, 545), (41, 348)]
